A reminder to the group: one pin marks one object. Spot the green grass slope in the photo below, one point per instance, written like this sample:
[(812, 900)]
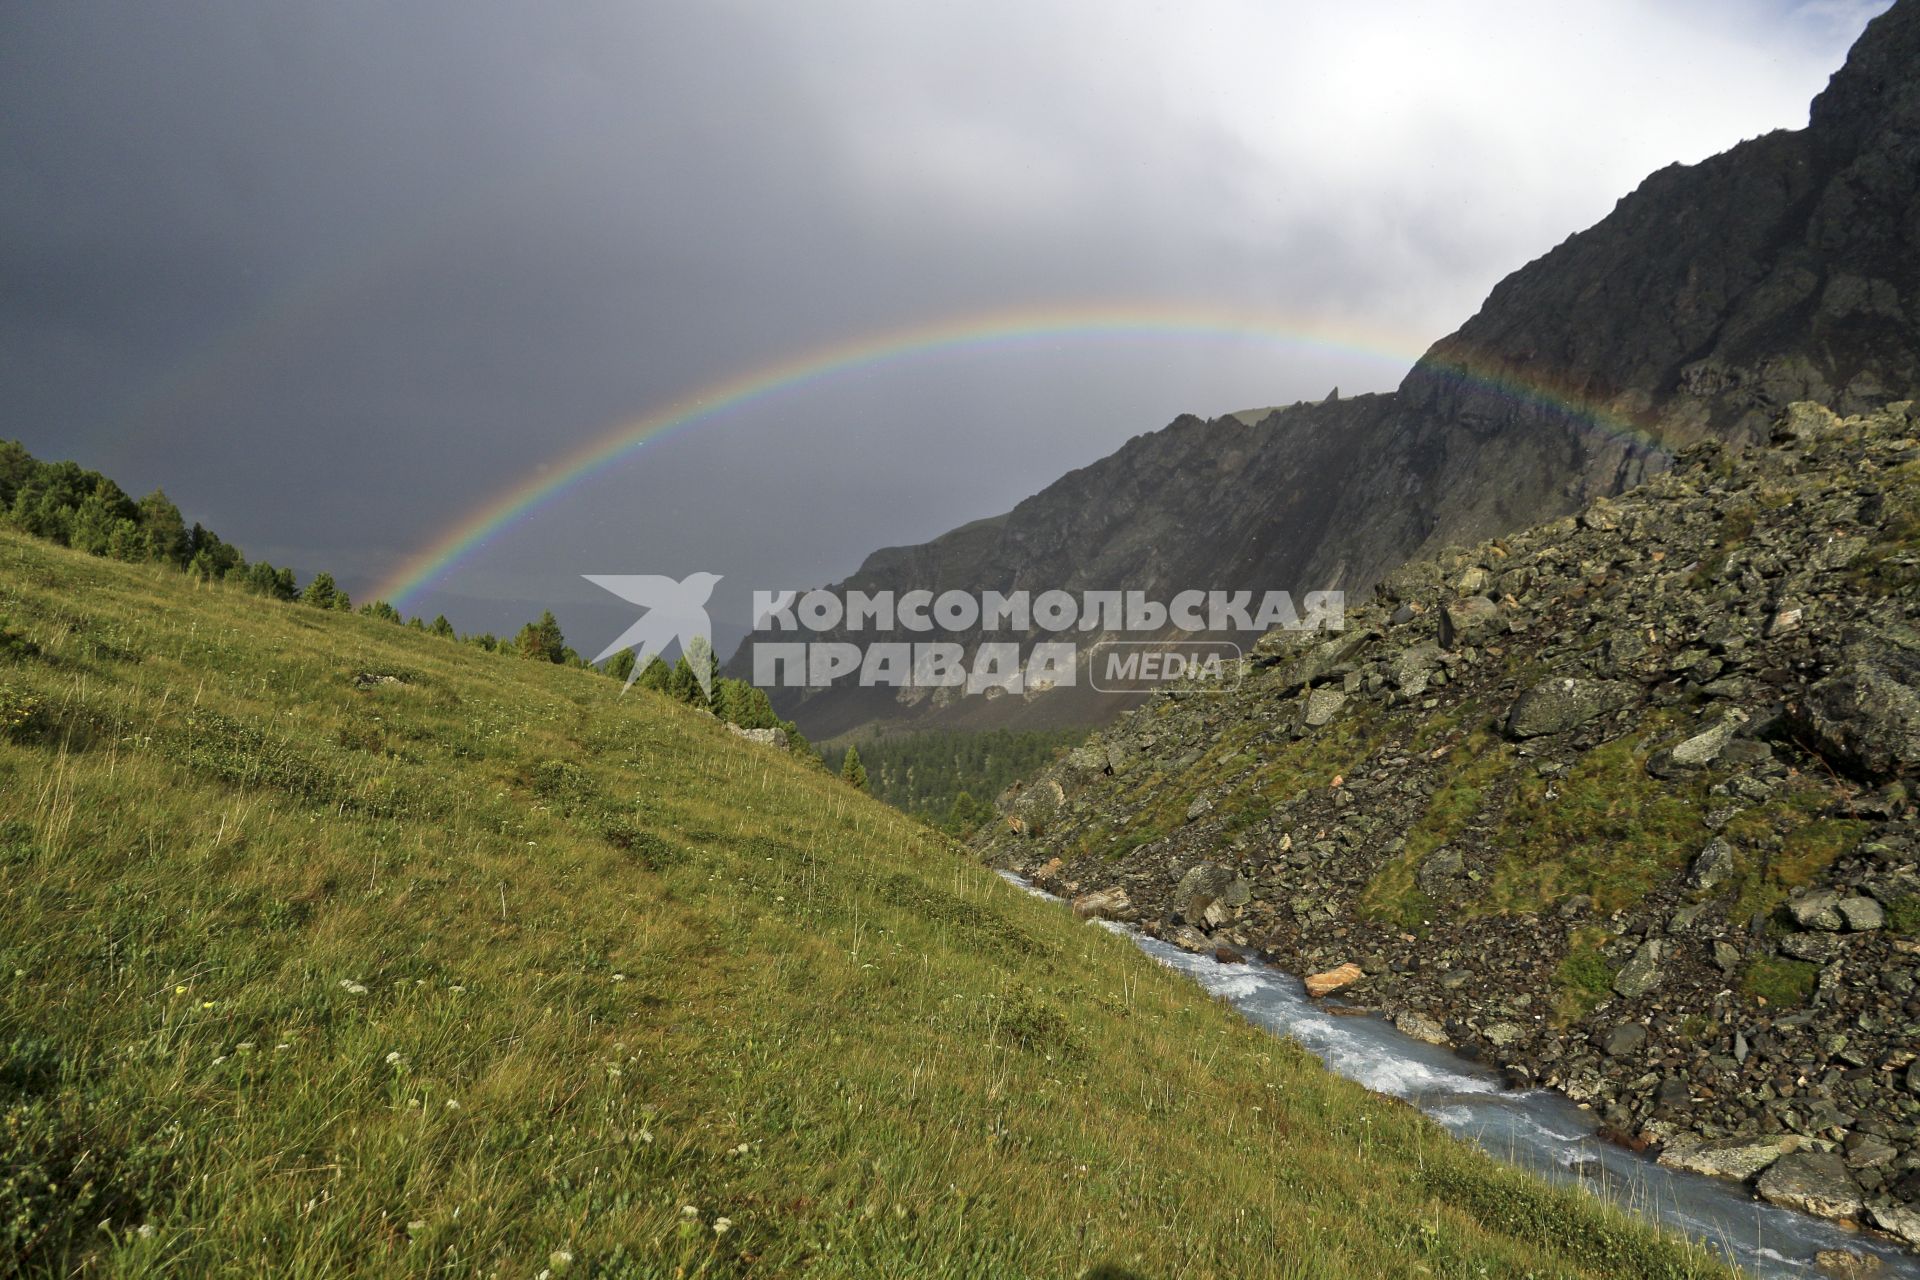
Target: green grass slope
[(329, 947)]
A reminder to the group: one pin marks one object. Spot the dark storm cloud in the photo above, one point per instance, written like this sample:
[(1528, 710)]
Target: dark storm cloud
[(334, 274)]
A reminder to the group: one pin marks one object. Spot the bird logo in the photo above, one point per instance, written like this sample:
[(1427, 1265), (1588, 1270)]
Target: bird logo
[(675, 610)]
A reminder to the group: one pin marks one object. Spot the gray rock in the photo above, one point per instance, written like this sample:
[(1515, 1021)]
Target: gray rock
[(1865, 1151), (1816, 910), (1736, 1158), (1562, 703), (1104, 904), (1206, 884), (1468, 622), (1726, 956), (1421, 1027), (1323, 705), (1640, 974), (1414, 668), (1862, 914), (1622, 1040), (1712, 865), (1502, 1035), (1200, 808), (1900, 1220), (1819, 948), (1704, 748), (1867, 713), (1815, 1182)]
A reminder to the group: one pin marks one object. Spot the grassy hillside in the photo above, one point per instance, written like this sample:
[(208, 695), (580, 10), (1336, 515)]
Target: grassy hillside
[(327, 946)]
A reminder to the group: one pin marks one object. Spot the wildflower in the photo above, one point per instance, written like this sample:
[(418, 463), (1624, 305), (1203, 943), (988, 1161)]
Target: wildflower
[(282, 1047), (416, 1226), (453, 1104), (146, 1231), (619, 977), (351, 987), (722, 1225), (206, 1004), (688, 1211), (179, 991), (560, 1259), (645, 1136), (395, 1061)]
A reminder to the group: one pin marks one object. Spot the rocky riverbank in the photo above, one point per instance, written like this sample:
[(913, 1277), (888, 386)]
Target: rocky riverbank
[(1619, 805)]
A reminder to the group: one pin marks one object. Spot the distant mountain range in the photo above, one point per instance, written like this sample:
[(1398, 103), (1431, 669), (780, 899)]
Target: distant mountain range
[(1785, 269)]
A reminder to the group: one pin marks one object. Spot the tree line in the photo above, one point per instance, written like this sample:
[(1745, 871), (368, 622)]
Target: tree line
[(949, 778), (65, 503)]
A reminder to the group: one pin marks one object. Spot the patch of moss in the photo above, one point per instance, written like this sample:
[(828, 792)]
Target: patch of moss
[(1606, 828), (1584, 976), (1780, 981)]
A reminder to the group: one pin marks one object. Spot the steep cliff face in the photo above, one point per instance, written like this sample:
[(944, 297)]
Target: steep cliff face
[(1787, 268)]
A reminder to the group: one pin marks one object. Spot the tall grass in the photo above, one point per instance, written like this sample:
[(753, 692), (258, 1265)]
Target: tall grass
[(327, 947)]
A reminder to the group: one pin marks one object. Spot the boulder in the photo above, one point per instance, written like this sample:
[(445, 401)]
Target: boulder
[(1335, 979), (1815, 1182), (1421, 1027), (1844, 1264), (1817, 910), (1468, 622), (1413, 669), (775, 738), (1712, 865), (1640, 974), (1562, 703), (1622, 1040), (1736, 1158), (1900, 1220), (1327, 661), (1104, 904), (1205, 885), (1704, 748), (1866, 714), (1188, 938), (1816, 948), (1199, 809), (1862, 914), (1322, 706)]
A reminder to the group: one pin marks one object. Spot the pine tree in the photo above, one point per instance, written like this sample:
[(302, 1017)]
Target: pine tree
[(620, 665), (441, 627), (542, 640), (657, 675), (852, 771), (321, 593)]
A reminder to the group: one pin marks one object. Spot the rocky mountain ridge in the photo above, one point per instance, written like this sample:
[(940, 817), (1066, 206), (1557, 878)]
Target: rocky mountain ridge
[(1620, 803), (1709, 299)]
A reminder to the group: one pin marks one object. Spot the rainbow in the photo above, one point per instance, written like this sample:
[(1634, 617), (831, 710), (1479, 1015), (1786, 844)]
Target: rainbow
[(474, 530)]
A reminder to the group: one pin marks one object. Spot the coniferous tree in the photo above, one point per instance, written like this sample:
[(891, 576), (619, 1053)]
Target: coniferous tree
[(620, 665), (381, 611), (852, 771), (321, 593), (542, 640), (441, 627)]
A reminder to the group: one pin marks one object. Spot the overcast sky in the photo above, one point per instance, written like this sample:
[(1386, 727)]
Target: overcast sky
[(334, 274)]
